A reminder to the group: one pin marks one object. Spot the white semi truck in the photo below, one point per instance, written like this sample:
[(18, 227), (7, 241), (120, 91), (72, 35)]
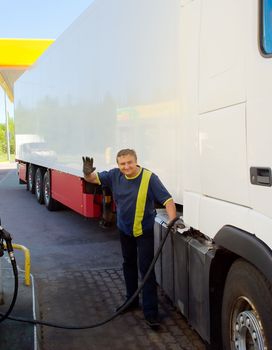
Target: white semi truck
[(187, 84)]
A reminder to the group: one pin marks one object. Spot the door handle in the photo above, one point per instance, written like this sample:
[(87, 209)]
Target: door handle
[(260, 176)]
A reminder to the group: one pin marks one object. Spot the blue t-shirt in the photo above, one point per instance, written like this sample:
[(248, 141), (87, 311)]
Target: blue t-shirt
[(135, 198)]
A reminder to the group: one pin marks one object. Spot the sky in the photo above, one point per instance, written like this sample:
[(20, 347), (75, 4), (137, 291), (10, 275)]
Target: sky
[(43, 19)]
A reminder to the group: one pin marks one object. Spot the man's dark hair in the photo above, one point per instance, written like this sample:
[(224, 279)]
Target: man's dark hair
[(125, 152)]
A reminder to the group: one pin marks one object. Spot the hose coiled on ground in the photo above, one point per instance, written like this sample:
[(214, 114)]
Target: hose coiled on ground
[(110, 318)]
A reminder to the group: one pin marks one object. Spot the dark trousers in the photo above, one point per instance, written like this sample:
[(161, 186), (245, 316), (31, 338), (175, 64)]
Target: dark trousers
[(140, 250)]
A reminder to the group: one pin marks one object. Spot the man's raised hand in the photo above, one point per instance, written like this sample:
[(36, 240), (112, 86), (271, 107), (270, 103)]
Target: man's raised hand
[(88, 167)]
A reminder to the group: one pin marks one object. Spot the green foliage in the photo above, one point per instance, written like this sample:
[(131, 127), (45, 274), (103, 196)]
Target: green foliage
[(3, 142), (3, 139), (12, 135)]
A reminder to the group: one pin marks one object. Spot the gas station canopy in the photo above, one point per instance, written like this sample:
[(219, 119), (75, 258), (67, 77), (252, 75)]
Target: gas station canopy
[(16, 55)]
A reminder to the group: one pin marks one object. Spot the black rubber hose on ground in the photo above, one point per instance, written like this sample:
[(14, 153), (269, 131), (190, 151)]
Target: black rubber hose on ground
[(98, 324), (7, 237)]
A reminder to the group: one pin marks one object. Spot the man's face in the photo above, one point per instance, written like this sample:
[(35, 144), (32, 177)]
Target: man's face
[(128, 165)]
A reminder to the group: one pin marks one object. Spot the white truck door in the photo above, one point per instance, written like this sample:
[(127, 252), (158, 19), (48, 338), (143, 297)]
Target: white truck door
[(222, 96), (259, 108)]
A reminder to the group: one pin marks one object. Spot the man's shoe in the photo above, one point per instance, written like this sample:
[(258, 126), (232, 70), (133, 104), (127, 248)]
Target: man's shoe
[(132, 307), (152, 322)]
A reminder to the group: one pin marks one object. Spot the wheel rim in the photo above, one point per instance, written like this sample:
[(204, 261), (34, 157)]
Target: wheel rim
[(46, 191), (30, 178), (38, 186), (246, 327)]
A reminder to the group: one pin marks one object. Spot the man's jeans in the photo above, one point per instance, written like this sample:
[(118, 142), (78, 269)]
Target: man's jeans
[(144, 244)]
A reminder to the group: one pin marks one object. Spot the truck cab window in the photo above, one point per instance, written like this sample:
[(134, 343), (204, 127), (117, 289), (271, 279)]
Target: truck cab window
[(266, 27)]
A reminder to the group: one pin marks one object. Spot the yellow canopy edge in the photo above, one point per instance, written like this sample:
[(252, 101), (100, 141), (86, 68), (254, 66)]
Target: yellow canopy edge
[(16, 55)]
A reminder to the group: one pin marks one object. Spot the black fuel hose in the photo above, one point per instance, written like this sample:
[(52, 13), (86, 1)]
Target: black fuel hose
[(5, 235), (110, 318)]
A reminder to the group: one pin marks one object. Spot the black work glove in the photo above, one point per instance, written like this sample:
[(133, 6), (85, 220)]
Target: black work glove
[(88, 167), (176, 223)]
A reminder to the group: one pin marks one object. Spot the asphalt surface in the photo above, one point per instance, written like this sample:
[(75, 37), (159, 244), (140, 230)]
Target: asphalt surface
[(76, 268)]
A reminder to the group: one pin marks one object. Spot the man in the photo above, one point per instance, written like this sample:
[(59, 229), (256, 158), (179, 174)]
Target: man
[(135, 191)]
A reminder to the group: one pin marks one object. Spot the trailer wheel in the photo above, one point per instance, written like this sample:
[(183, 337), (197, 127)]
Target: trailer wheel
[(246, 309), (50, 203), (30, 185), (39, 185)]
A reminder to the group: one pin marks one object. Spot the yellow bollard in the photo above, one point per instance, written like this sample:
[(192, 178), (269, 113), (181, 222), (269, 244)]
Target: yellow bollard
[(27, 260)]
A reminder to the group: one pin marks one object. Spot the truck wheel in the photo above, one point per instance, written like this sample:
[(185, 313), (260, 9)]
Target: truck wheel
[(246, 309), (30, 185), (50, 203), (39, 185)]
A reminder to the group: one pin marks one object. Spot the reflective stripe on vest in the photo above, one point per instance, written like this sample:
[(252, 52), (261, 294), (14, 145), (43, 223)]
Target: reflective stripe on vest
[(140, 203)]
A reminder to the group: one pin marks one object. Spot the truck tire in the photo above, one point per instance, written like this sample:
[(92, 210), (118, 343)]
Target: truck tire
[(39, 185), (50, 203), (30, 184), (246, 309)]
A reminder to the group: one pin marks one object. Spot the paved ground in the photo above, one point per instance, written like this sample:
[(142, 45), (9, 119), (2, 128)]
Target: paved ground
[(78, 281), (14, 335), (93, 296)]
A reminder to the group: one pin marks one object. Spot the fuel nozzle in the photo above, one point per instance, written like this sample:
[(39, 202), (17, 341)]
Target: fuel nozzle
[(6, 236)]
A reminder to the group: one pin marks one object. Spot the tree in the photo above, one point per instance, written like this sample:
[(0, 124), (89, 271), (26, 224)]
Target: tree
[(3, 142), (3, 137), (12, 135)]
